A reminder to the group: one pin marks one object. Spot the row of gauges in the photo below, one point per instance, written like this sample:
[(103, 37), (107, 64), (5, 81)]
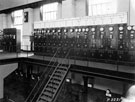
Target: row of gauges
[(9, 36), (87, 29), (65, 30)]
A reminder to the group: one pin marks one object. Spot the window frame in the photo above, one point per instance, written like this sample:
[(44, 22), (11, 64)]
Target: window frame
[(16, 17), (100, 7), (51, 13)]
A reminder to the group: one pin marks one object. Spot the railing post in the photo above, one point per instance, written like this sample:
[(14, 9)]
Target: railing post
[(16, 50), (27, 50)]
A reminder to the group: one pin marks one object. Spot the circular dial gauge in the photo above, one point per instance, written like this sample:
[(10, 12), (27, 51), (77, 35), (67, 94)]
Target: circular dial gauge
[(110, 28), (83, 29), (76, 30), (129, 28), (102, 29), (120, 28), (58, 30), (93, 29), (133, 27), (87, 29), (71, 30), (79, 29), (65, 30)]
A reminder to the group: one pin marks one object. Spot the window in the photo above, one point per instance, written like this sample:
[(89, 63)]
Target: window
[(17, 17), (101, 7), (49, 11)]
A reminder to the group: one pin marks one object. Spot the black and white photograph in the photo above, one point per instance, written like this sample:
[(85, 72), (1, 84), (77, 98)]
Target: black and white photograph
[(67, 50)]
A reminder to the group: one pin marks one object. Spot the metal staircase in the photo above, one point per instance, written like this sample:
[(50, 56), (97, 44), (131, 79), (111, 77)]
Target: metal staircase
[(43, 79), (54, 83)]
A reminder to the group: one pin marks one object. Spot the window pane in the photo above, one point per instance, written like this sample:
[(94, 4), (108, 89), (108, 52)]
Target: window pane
[(50, 11), (18, 13), (101, 7), (18, 17)]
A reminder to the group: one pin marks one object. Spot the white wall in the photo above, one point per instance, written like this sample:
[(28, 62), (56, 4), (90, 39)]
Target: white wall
[(68, 8), (1, 87), (27, 27), (132, 12), (36, 14), (5, 70), (122, 5), (3, 23), (80, 8), (9, 21)]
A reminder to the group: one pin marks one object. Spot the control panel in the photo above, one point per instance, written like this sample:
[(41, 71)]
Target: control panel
[(11, 40), (114, 42)]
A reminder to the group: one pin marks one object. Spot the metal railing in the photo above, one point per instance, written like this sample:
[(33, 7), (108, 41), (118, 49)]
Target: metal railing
[(38, 85), (53, 74), (65, 58)]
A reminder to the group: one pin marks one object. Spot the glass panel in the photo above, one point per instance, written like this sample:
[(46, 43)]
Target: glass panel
[(101, 7), (50, 11), (18, 17)]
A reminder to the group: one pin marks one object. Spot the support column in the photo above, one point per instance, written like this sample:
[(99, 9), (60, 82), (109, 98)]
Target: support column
[(59, 13), (69, 7), (27, 29), (1, 88), (85, 81)]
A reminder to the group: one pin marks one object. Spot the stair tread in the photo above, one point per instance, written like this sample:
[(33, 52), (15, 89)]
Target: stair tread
[(47, 93), (50, 90), (60, 71), (62, 68), (54, 82), (57, 74), (65, 67), (43, 97), (49, 86), (56, 78), (42, 101), (53, 86)]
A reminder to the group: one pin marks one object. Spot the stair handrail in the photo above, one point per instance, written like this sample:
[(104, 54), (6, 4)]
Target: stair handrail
[(61, 64), (48, 81), (42, 75), (41, 85), (44, 79), (52, 75), (58, 92)]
